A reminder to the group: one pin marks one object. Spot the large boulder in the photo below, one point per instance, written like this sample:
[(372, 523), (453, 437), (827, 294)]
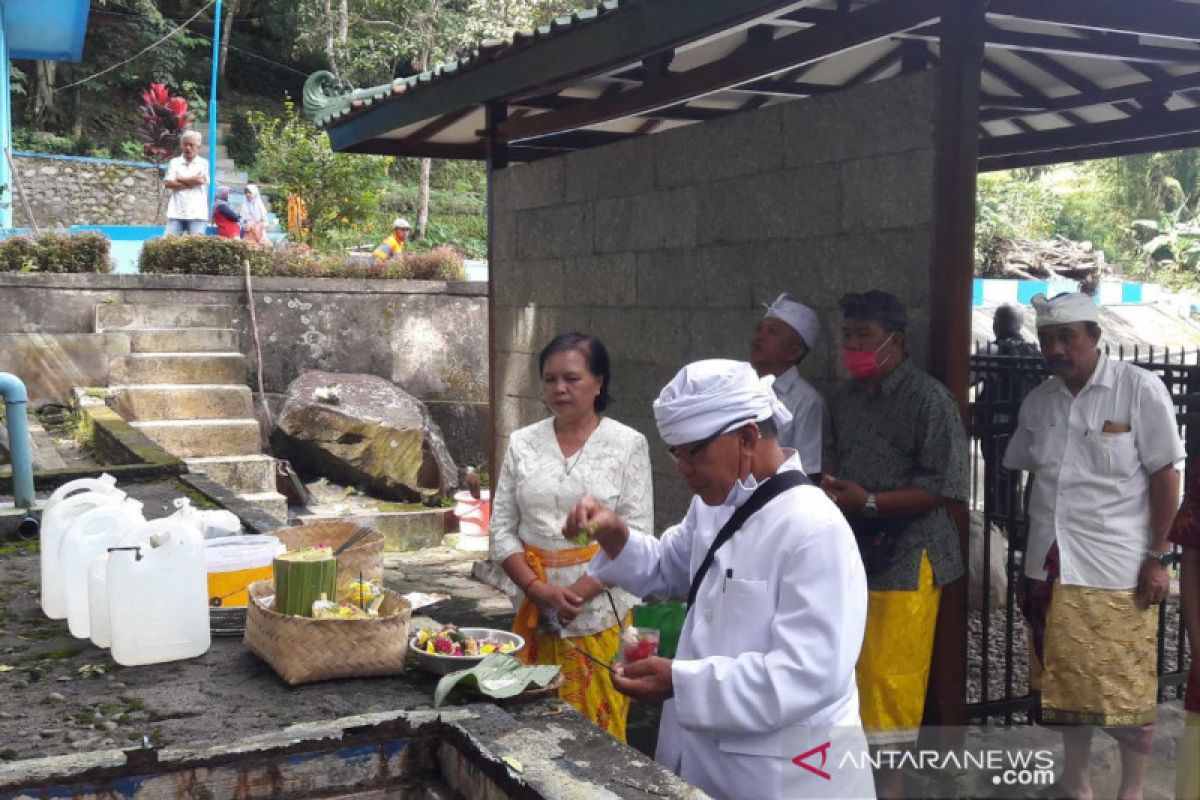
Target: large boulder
[(363, 431)]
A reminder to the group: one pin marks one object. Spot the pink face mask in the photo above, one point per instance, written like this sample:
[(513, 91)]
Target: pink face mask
[(861, 364)]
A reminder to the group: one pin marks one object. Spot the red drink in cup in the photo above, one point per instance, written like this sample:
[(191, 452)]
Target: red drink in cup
[(638, 643)]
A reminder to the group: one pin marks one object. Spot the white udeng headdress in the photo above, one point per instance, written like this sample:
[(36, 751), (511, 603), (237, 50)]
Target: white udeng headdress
[(1065, 308), (799, 317), (708, 396)]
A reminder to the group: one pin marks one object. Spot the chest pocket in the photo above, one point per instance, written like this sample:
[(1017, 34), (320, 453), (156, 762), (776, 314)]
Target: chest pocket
[(1115, 455), (1043, 445), (744, 616)]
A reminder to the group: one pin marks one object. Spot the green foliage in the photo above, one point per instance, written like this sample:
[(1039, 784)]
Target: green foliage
[(1011, 206), (1141, 211), (401, 198), (83, 145), (18, 82), (242, 142), (201, 255), (341, 190), (466, 232), (55, 253), (210, 255)]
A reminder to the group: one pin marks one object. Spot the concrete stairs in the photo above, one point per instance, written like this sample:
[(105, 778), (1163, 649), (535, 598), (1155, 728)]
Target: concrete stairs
[(183, 384), (227, 172)]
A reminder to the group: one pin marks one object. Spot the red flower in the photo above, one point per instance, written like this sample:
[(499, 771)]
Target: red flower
[(178, 106)]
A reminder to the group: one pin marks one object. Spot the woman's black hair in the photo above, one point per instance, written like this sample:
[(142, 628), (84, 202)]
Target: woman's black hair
[(595, 355)]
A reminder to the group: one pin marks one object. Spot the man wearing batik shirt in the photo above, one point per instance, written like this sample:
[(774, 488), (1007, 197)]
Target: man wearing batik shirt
[(1101, 441), (1186, 533), (895, 461)]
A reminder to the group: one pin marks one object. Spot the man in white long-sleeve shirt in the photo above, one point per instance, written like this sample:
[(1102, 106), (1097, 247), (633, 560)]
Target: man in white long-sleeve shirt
[(761, 700)]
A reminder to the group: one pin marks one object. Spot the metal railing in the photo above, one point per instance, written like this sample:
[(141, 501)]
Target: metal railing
[(998, 656)]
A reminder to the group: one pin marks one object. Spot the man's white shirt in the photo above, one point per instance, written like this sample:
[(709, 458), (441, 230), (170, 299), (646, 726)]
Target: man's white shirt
[(810, 418), (767, 654), (192, 202), (1092, 487)]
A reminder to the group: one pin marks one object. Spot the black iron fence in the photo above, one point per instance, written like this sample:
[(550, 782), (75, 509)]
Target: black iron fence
[(998, 688)]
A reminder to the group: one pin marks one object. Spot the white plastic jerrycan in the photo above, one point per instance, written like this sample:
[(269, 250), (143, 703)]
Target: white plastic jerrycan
[(90, 535), (101, 628), (105, 483), (158, 595), (55, 523)]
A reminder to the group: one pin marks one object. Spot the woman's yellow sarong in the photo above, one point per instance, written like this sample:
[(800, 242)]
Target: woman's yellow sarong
[(586, 685)]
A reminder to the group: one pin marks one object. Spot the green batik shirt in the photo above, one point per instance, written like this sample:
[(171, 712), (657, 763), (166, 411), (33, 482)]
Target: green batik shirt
[(909, 434)]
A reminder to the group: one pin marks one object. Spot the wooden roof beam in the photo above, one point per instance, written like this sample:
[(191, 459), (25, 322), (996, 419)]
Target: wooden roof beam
[(1146, 90), (876, 68), (1166, 19), (681, 112), (782, 88), (1025, 90), (1101, 133), (1125, 50), (841, 32), (434, 127), (1178, 141), (1079, 83)]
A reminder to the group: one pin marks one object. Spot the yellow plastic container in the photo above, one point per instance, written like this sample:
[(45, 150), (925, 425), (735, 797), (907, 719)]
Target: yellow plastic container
[(235, 562)]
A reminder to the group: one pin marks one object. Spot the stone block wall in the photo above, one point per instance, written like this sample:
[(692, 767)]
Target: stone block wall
[(668, 246), (427, 337), (67, 191)]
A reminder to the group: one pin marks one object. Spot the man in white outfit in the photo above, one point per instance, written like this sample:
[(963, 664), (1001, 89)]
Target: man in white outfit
[(760, 699), (781, 341), (187, 178)]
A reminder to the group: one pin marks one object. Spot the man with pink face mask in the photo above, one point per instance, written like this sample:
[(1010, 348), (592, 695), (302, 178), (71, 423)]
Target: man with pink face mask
[(896, 459)]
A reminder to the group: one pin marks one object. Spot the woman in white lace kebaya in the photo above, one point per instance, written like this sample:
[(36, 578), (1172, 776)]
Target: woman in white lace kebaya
[(548, 467)]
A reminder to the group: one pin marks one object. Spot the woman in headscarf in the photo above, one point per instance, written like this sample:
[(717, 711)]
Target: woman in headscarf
[(224, 217), (254, 215), (548, 467)]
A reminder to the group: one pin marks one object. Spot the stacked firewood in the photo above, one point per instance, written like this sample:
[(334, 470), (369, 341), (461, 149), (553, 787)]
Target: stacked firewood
[(1058, 258)]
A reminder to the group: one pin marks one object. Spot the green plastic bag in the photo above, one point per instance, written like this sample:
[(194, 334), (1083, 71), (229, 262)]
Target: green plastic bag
[(667, 618)]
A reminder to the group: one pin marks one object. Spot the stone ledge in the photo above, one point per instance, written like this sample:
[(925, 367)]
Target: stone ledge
[(218, 283)]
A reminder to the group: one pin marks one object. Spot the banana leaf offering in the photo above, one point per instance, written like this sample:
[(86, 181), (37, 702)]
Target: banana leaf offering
[(498, 677)]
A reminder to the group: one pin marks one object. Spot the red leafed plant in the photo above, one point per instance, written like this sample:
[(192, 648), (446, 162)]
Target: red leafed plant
[(164, 118)]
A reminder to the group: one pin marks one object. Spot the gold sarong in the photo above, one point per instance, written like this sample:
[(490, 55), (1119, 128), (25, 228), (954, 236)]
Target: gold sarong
[(586, 685), (893, 668), (1098, 664)]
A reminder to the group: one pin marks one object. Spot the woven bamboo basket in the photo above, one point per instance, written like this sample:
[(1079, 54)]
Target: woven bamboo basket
[(304, 650), (365, 557)]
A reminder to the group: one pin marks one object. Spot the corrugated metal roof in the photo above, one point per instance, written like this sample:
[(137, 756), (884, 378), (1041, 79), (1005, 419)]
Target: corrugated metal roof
[(328, 109)]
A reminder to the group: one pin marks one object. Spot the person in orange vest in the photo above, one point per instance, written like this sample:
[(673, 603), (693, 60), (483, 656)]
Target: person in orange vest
[(393, 245)]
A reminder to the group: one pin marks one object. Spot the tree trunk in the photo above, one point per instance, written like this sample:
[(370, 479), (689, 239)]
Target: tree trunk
[(423, 198), (343, 22), (226, 32), (76, 113), (327, 24), (426, 164), (43, 93)]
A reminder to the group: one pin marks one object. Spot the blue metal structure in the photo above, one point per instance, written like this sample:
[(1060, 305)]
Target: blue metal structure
[(212, 108), (48, 30), (15, 401)]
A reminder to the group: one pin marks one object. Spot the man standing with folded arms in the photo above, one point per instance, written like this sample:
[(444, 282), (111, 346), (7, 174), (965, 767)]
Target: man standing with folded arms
[(1101, 441)]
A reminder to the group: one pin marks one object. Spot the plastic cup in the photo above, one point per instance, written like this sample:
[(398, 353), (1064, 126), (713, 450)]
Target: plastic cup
[(636, 644)]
